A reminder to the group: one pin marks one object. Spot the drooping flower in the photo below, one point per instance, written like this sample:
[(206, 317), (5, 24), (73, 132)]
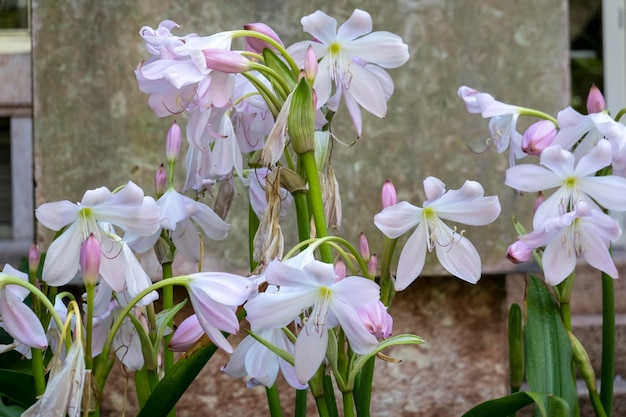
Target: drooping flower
[(576, 180), (456, 254), (503, 120), (17, 318), (215, 297), (584, 232), (127, 209), (345, 53), (310, 287), (64, 391)]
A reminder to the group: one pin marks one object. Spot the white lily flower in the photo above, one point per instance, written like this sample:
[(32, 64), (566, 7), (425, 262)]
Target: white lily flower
[(127, 209), (310, 286), (456, 254)]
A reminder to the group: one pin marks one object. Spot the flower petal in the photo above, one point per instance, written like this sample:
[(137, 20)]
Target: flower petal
[(412, 258), (310, 350), (396, 220), (20, 321), (460, 258)]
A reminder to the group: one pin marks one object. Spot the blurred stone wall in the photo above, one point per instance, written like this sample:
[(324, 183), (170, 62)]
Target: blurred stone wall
[(93, 127)]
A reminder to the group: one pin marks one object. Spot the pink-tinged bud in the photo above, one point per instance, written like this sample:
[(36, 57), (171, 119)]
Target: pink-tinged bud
[(389, 196), (538, 137), (160, 181), (540, 199), (257, 45), (340, 270), (90, 256), (372, 266), (226, 61), (376, 319), (519, 252), (173, 142), (595, 100), (34, 256), (310, 64), (364, 247)]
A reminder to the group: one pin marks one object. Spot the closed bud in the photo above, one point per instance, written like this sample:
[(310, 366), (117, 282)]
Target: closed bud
[(310, 64), (538, 137), (257, 45), (226, 61), (372, 266), (340, 270), (160, 181), (519, 252), (595, 100), (173, 142), (90, 256), (34, 255), (301, 119), (389, 196), (364, 247)]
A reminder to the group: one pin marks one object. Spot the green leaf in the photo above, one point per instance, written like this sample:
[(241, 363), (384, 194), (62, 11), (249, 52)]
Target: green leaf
[(548, 349), (18, 387), (516, 348), (10, 410), (547, 405), (278, 65)]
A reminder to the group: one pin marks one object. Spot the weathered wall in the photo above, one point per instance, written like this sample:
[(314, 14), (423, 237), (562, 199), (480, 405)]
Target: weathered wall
[(93, 128)]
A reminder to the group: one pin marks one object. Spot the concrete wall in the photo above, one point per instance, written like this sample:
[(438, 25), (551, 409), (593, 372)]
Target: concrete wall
[(93, 127)]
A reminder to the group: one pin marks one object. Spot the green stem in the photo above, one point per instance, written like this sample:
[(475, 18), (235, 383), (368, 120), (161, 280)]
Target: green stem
[(253, 226), (280, 48), (348, 404), (322, 407), (168, 303), (329, 395), (608, 344), (145, 381), (273, 401), (316, 203), (302, 214), (365, 388), (536, 113), (386, 282), (37, 362), (91, 291), (596, 402), (301, 399)]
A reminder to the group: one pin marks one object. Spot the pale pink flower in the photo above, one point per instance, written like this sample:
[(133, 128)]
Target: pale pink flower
[(584, 232), (456, 254), (310, 287), (348, 56)]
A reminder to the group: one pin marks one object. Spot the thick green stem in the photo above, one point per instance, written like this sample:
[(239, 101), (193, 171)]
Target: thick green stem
[(329, 394), (91, 292), (348, 404), (386, 282), (273, 401), (253, 226), (168, 303), (302, 213), (608, 344), (316, 204), (364, 397), (322, 407), (301, 399), (37, 363)]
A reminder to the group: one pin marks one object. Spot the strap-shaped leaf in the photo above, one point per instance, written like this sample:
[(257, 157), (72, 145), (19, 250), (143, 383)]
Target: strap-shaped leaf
[(547, 347), (18, 387), (546, 405)]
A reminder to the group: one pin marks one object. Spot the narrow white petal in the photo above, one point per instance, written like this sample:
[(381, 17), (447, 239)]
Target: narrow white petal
[(396, 220), (358, 24), (56, 215), (61, 262), (412, 258), (460, 258), (559, 259), (310, 351)]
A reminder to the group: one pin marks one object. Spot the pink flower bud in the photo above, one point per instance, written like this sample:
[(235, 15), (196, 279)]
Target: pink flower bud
[(160, 181), (310, 64), (538, 136), (364, 247), (540, 199), (34, 255), (226, 61), (257, 45), (90, 256), (595, 100), (372, 266), (376, 319), (389, 196), (519, 252), (173, 142), (340, 270)]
